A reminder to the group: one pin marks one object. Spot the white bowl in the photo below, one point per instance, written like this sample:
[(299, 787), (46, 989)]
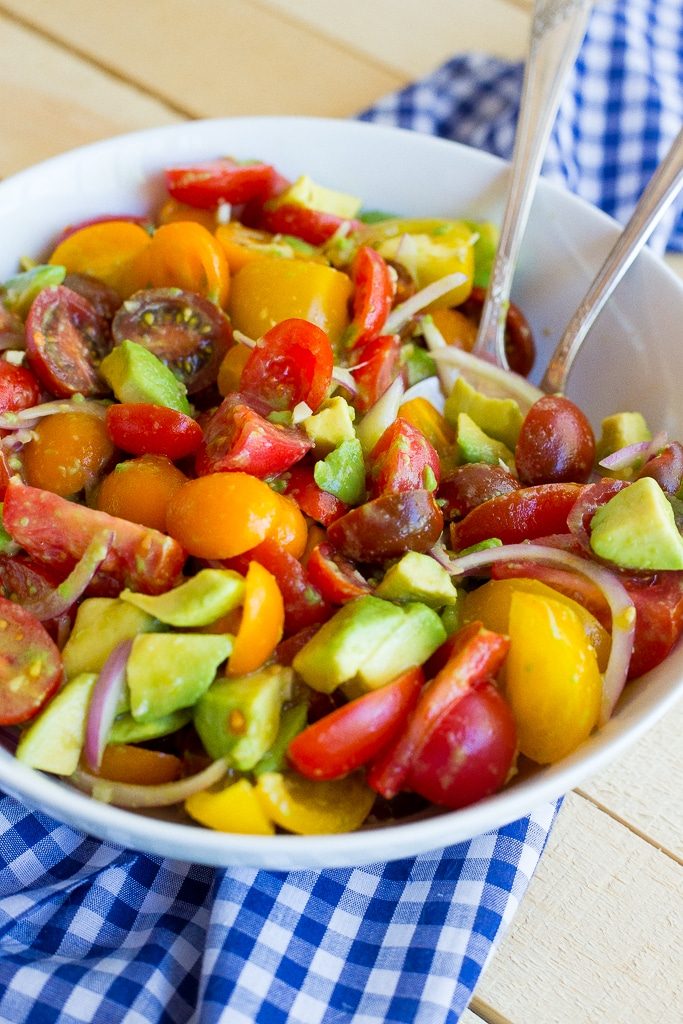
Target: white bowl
[(627, 363)]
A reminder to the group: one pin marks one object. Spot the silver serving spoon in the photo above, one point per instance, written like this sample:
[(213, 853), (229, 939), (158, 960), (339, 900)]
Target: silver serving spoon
[(557, 29)]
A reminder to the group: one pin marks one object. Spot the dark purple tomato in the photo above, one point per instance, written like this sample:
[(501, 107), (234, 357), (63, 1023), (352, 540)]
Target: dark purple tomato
[(66, 340), (388, 526), (556, 443)]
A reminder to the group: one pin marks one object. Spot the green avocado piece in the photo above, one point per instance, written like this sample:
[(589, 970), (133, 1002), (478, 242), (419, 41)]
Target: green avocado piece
[(331, 425), (199, 601), (484, 249), (18, 292), (169, 671), (292, 721), (411, 643), (101, 624), (136, 375), (306, 192), (500, 418), (636, 529), (418, 577), (239, 718), (335, 653), (618, 431), (127, 730), (476, 446), (342, 472), (54, 740)]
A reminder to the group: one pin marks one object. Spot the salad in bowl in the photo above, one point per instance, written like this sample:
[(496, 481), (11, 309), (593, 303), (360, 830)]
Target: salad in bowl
[(284, 569)]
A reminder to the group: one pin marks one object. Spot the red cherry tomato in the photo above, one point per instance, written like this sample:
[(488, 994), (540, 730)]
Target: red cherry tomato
[(30, 664), (292, 363), (373, 295), (236, 437), (19, 389), (143, 429), (311, 499), (388, 526), (472, 484), (476, 656), (356, 732), (376, 366), (524, 514), (469, 752), (402, 460), (312, 226), (336, 577), (555, 444), (101, 296), (66, 340), (219, 181)]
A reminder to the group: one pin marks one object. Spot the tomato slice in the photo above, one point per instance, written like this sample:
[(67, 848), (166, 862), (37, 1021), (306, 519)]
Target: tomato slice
[(373, 295), (19, 389), (219, 181), (57, 532), (237, 437), (524, 514), (102, 297), (402, 460), (30, 664), (311, 499), (313, 226), (292, 363), (355, 733), (476, 656), (375, 367), (143, 429), (336, 577), (66, 340), (186, 331), (388, 526)]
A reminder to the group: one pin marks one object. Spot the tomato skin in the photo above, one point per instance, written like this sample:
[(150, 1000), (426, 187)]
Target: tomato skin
[(219, 181), (402, 460), (236, 437), (373, 295), (313, 226), (472, 484), (555, 444), (666, 468), (140, 428), (19, 388), (292, 363), (336, 577), (523, 514), (469, 752), (56, 532), (30, 665), (65, 342), (388, 526), (376, 366), (311, 499), (355, 733), (476, 656)]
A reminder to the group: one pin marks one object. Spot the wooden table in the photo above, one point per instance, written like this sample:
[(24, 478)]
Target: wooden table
[(599, 934)]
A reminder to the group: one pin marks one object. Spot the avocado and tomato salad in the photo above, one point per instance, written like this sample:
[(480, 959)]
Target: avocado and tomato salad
[(260, 561)]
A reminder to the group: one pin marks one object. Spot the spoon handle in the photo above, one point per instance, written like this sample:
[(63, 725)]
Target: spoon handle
[(557, 30), (661, 191)]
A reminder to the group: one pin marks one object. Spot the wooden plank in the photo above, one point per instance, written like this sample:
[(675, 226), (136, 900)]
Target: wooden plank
[(598, 935), (228, 69), (57, 102), (412, 39)]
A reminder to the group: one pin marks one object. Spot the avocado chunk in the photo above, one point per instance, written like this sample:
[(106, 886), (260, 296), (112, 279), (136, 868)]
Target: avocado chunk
[(169, 671), (292, 721), (485, 248), (336, 652), (127, 730), (476, 446), (239, 718), (136, 375), (618, 431), (199, 601), (342, 472), (54, 740), (418, 577), (636, 529), (499, 418), (306, 192), (101, 624), (331, 425), (411, 643)]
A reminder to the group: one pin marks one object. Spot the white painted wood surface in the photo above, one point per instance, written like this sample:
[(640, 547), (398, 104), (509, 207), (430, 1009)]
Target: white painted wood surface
[(598, 937)]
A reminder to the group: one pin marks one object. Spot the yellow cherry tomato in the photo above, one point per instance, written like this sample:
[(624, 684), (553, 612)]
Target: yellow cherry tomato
[(230, 370), (105, 250), (183, 254), (261, 627), (140, 490), (236, 808), (271, 289), (242, 245), (315, 808), (68, 452), (552, 681), (422, 415), (173, 211)]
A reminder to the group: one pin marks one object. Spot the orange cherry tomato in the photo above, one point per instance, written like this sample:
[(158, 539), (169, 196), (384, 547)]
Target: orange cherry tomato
[(262, 624), (289, 528), (183, 255), (138, 766), (104, 250), (221, 515), (230, 370), (173, 210), (140, 490), (68, 452)]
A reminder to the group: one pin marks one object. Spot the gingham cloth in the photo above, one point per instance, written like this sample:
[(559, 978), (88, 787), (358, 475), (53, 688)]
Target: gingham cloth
[(93, 933)]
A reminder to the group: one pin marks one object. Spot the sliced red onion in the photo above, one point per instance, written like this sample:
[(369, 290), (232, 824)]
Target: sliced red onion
[(402, 313), (344, 378), (590, 499), (55, 602), (635, 454), (244, 339), (125, 794), (621, 606), (104, 701), (29, 417)]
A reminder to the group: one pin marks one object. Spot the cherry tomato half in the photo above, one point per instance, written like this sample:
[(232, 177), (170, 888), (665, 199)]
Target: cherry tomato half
[(30, 664), (520, 515), (373, 295), (292, 363), (19, 389), (388, 526), (376, 365), (143, 429), (313, 226), (219, 181), (402, 460)]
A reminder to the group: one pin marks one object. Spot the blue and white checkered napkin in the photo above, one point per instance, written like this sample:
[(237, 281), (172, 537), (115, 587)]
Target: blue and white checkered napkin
[(93, 933)]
